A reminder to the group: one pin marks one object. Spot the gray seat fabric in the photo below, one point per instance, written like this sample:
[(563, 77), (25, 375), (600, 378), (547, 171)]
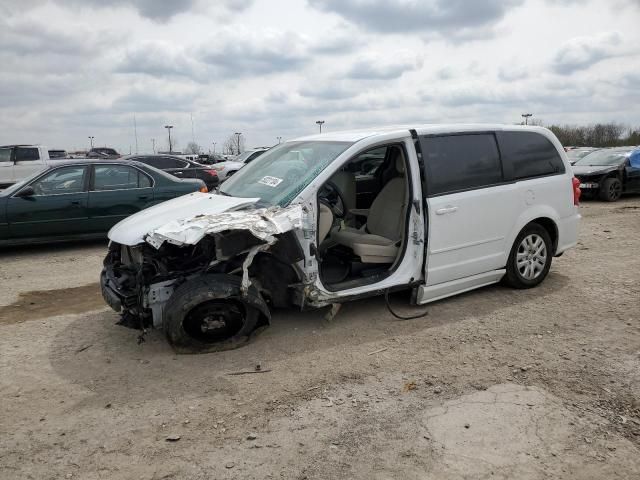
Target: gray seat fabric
[(379, 240), (346, 183)]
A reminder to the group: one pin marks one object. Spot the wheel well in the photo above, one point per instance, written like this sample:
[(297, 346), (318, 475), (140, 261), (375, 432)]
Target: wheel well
[(551, 228)]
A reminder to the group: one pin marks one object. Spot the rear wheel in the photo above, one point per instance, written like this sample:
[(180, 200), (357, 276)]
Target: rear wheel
[(611, 190), (208, 315), (530, 258)]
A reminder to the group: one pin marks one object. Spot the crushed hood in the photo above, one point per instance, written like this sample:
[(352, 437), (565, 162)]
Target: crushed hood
[(262, 223), (133, 230)]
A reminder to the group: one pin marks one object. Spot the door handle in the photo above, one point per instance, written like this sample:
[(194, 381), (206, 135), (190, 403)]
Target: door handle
[(447, 209), (75, 202), (143, 197)]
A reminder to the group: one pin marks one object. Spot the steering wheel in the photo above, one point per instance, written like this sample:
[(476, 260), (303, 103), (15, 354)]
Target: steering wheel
[(334, 199)]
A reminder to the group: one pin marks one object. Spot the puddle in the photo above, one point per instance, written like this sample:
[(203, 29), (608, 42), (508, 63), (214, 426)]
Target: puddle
[(49, 303)]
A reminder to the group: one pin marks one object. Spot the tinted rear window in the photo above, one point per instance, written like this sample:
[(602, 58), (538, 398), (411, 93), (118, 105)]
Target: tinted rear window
[(530, 155), (24, 154), (461, 162)]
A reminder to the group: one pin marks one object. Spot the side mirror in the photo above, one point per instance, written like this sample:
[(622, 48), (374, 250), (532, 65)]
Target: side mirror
[(27, 191)]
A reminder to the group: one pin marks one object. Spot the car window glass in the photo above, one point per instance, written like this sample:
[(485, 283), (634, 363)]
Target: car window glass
[(368, 163), (253, 156), (116, 177), (143, 180), (164, 162), (461, 162), (634, 159), (27, 154), (5, 155), (61, 180), (530, 154)]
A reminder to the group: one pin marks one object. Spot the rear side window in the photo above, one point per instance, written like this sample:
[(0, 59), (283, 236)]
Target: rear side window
[(165, 162), (27, 154), (529, 155), (461, 162), (118, 177)]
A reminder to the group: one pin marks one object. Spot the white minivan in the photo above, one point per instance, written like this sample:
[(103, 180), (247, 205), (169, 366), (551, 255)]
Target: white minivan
[(18, 162), (320, 220)]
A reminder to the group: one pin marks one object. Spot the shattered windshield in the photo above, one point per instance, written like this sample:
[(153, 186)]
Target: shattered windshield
[(280, 174)]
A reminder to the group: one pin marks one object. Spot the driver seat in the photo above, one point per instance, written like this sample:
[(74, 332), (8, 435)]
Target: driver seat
[(379, 240)]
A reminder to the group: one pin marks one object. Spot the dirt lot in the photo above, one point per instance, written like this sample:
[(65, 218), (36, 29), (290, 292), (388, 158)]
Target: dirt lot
[(496, 383)]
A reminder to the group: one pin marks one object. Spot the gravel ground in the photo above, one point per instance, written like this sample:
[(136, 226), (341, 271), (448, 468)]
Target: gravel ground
[(496, 383)]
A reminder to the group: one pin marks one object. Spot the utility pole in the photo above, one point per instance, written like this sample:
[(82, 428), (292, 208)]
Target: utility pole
[(526, 117), (279, 140), (193, 134), (320, 123), (91, 141), (135, 131), (238, 135), (169, 127), (153, 145)]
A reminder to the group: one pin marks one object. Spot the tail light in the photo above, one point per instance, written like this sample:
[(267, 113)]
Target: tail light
[(204, 189), (576, 191), (213, 173)]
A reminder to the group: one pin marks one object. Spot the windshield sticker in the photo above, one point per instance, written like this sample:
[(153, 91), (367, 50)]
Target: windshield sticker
[(270, 181)]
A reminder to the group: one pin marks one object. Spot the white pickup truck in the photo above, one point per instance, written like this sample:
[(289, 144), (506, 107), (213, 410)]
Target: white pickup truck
[(17, 162)]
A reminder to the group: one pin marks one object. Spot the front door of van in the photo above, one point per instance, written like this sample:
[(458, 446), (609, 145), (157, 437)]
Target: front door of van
[(471, 209)]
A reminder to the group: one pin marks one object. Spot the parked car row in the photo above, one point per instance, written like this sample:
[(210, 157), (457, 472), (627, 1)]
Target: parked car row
[(78, 199)]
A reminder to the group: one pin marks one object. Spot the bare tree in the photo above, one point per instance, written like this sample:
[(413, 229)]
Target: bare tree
[(194, 148), (598, 135), (232, 146)]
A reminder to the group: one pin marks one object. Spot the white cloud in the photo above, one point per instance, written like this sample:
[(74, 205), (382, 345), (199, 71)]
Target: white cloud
[(71, 68), (582, 52)]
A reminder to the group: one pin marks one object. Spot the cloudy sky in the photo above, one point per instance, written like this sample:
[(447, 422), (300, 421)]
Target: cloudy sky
[(267, 68)]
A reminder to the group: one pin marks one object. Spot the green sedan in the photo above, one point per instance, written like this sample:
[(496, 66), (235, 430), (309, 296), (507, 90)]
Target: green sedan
[(83, 199)]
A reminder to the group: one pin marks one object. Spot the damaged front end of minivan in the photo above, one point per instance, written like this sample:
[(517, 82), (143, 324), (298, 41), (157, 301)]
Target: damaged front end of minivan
[(209, 280)]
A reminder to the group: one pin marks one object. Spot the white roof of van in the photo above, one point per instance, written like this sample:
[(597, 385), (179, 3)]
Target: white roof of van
[(422, 129)]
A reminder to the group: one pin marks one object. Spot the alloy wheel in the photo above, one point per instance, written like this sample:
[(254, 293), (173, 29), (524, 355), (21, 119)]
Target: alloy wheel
[(531, 257)]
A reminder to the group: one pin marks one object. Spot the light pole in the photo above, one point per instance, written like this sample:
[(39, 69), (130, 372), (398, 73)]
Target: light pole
[(153, 145), (169, 127), (238, 135), (279, 140), (91, 140), (320, 123), (214, 147), (526, 117)]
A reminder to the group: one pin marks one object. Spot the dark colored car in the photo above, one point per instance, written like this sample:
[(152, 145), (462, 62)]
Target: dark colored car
[(103, 152), (83, 199), (608, 173), (180, 167)]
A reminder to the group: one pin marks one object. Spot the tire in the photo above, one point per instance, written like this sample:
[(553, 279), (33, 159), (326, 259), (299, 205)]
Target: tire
[(611, 190), (523, 254), (209, 314)]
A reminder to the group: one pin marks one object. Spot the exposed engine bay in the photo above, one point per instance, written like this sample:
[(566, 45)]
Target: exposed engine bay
[(247, 259)]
